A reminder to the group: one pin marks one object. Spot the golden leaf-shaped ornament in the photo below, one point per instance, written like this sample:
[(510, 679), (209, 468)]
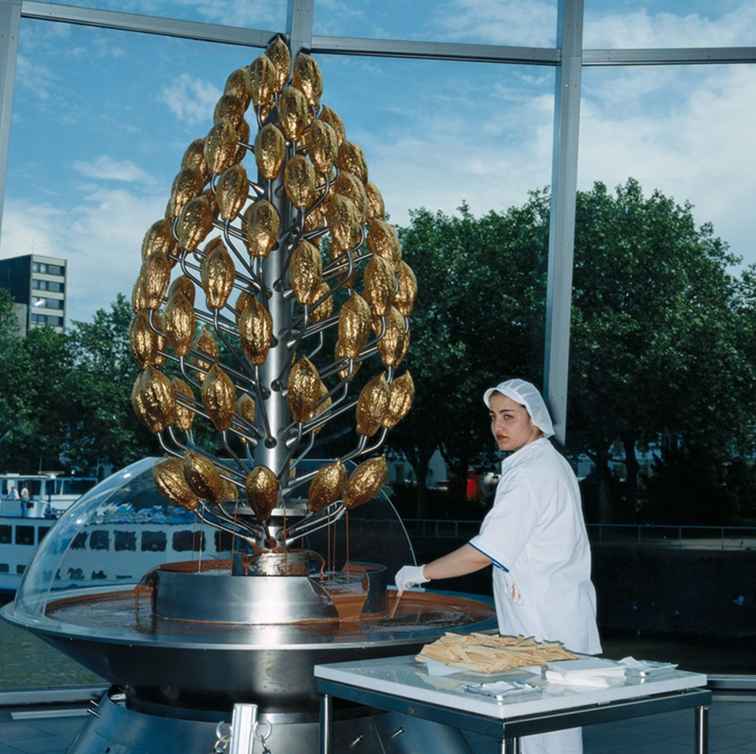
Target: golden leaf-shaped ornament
[(327, 486), (243, 138), (221, 146), (219, 398), (324, 309), (352, 159), (299, 181), (354, 325), (261, 224), (323, 404), (194, 158), (186, 185), (352, 187), (179, 323), (153, 400), (159, 238), (182, 284), (244, 300), (315, 219), (372, 405), (238, 85), (383, 241), (261, 486), (217, 273), (293, 114), (255, 331), (169, 480), (304, 389), (138, 301), (305, 270), (195, 222), (391, 346), (209, 194), (184, 414), (401, 396), (331, 117), (278, 54), (229, 492), (231, 108), (376, 209), (202, 476), (270, 148), (406, 291), (345, 373), (365, 482), (379, 285), (322, 144), (262, 84), (153, 279), (205, 344), (307, 78), (344, 223), (231, 191), (144, 342), (246, 408)]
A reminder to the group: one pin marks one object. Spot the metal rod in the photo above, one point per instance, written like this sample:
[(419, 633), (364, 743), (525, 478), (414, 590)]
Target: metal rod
[(326, 722), (702, 729)]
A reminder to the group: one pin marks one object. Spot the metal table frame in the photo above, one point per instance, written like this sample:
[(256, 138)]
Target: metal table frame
[(510, 731)]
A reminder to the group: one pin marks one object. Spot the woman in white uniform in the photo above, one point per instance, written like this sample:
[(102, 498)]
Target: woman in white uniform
[(535, 538)]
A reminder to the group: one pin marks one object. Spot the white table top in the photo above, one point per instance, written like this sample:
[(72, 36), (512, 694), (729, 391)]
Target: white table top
[(405, 677)]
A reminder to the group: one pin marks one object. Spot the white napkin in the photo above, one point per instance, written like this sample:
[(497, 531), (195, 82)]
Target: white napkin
[(589, 671)]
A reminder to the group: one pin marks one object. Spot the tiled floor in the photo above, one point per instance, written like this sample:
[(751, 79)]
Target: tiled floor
[(732, 731)]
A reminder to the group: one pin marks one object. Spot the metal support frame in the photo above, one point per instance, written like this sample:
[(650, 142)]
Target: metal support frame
[(10, 22)]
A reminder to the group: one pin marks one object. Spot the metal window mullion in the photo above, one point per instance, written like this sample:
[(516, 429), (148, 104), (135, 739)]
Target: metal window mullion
[(669, 56), (10, 22), (562, 214)]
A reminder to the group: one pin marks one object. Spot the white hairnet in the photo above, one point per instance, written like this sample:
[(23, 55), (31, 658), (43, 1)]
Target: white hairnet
[(526, 394)]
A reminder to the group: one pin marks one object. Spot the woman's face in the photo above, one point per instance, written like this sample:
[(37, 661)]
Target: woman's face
[(511, 424)]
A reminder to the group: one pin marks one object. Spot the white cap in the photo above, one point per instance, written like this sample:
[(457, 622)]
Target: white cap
[(526, 394)]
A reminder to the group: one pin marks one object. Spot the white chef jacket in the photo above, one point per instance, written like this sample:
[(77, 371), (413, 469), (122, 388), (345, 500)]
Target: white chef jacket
[(535, 536)]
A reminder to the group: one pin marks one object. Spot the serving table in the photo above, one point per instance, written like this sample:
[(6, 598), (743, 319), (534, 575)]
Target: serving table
[(403, 685)]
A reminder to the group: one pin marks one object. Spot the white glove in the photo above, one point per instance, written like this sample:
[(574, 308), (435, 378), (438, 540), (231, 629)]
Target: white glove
[(409, 576)]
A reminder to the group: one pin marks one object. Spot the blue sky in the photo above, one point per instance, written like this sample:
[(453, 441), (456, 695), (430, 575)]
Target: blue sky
[(101, 118)]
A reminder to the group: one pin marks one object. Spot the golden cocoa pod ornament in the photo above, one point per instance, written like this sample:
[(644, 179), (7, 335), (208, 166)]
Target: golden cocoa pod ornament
[(401, 396), (243, 138), (324, 309), (345, 373), (231, 191), (406, 291), (178, 323), (293, 114), (194, 158), (376, 209), (202, 476), (184, 414), (344, 223), (159, 237), (195, 222), (372, 406), (183, 285), (154, 277), (324, 403), (244, 300), (352, 187), (354, 325), (392, 346), (379, 285), (206, 345), (255, 331), (186, 185), (327, 486), (261, 486), (229, 492), (262, 84), (261, 224), (365, 482), (217, 273), (304, 389), (209, 194), (299, 181), (307, 78), (315, 219), (219, 398), (352, 160), (305, 270), (329, 116), (221, 146), (169, 480), (322, 144), (231, 108), (383, 241), (246, 408), (152, 399), (138, 300), (270, 148), (278, 54), (238, 85), (144, 342)]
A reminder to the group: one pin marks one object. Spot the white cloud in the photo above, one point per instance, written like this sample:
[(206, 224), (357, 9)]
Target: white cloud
[(34, 77), (105, 168), (190, 99)]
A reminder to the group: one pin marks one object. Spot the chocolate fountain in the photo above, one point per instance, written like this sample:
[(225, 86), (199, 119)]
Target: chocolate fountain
[(224, 571)]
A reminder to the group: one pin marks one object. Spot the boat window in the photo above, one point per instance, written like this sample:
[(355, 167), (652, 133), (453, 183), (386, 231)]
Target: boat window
[(222, 541), (42, 533), (99, 539), (125, 540), (98, 575), (20, 569), (188, 540), (79, 541), (4, 568), (5, 535), (153, 541), (76, 486), (24, 535)]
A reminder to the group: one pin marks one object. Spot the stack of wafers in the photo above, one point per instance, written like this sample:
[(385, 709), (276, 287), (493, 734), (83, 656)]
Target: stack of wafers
[(484, 653)]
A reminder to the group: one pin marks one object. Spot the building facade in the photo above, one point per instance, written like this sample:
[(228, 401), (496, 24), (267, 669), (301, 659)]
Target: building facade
[(37, 285)]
